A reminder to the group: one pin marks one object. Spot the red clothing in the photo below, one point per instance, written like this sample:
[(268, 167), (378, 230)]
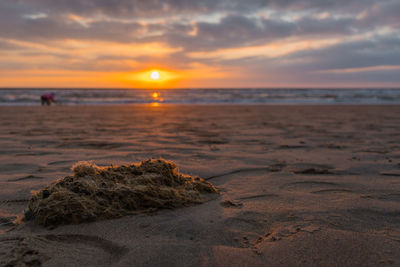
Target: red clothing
[(48, 97)]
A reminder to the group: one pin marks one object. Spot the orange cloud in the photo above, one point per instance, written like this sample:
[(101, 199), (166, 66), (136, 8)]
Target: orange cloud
[(60, 78), (271, 50), (361, 69), (196, 75), (60, 53)]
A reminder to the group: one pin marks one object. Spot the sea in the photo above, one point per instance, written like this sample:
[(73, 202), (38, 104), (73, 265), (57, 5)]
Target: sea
[(243, 96)]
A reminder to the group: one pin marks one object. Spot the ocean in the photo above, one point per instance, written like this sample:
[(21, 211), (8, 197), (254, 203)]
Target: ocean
[(31, 97)]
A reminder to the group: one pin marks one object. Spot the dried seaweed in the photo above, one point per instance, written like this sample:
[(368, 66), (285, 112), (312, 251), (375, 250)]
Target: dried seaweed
[(95, 193)]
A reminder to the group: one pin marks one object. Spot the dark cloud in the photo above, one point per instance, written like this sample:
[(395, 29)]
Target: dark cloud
[(312, 26), (236, 31), (237, 27), (152, 8), (51, 28), (377, 51), (231, 31), (384, 13)]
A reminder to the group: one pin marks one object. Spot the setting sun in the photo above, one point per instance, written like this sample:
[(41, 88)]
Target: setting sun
[(155, 75)]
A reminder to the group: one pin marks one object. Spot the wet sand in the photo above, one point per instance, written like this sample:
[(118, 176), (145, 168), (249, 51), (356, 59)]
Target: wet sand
[(300, 185)]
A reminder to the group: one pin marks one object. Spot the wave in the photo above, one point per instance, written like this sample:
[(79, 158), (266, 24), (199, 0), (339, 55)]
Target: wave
[(202, 96)]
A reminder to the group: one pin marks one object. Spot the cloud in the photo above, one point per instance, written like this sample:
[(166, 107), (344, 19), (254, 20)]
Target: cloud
[(377, 50), (311, 40), (151, 8), (238, 22)]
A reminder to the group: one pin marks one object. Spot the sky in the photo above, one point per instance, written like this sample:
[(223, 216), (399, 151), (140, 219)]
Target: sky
[(199, 44)]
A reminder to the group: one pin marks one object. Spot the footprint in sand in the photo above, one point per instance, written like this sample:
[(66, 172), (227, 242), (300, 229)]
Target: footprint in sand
[(91, 145), (284, 231), (231, 204), (333, 191), (309, 185), (310, 168), (17, 252), (291, 147), (390, 173), (243, 170), (318, 187), (386, 197), (258, 197), (60, 162), (36, 250), (28, 177)]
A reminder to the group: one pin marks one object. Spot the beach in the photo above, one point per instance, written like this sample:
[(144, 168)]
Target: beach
[(300, 185)]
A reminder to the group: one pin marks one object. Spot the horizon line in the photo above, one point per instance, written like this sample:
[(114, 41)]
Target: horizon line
[(197, 88)]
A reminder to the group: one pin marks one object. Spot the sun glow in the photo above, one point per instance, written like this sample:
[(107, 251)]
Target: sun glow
[(155, 75), (159, 78)]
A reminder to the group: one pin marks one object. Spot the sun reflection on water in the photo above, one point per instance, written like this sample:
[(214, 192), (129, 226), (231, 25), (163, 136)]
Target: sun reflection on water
[(156, 99)]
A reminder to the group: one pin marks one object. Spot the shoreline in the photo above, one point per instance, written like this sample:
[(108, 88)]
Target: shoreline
[(202, 105)]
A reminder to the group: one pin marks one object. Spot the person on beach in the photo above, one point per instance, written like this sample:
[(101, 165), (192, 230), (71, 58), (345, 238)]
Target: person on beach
[(48, 99)]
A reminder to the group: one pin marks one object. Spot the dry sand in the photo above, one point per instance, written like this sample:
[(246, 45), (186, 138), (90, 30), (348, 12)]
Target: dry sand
[(300, 185)]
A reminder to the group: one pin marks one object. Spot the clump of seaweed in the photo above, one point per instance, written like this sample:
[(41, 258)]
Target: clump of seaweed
[(96, 193)]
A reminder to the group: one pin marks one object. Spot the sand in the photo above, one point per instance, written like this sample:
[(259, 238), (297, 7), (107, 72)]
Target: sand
[(299, 185)]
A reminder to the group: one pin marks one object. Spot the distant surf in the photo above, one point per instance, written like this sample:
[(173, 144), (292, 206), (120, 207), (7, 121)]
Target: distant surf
[(31, 97)]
